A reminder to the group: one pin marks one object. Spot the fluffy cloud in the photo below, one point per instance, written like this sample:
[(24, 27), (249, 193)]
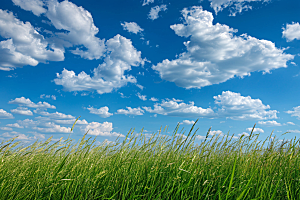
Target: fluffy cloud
[(188, 122), (153, 14), (56, 115), (236, 6), (291, 32), (23, 44), (142, 97), (108, 75), (131, 111), (237, 107), (71, 121), (102, 129), (36, 6), (5, 115), (15, 125), (256, 130), (6, 128), (173, 108), (132, 27), (146, 2), (102, 112), (295, 112), (51, 127), (244, 133), (22, 111), (214, 55), (269, 123), (28, 103), (153, 99)]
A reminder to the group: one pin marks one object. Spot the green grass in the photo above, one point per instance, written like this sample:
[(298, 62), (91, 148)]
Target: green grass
[(159, 168)]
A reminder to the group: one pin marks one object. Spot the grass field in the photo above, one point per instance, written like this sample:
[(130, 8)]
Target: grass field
[(158, 168)]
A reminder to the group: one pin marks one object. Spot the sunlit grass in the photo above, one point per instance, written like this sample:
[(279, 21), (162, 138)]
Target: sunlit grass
[(161, 167)]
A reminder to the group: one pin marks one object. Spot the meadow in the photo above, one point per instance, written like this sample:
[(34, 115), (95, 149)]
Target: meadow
[(160, 167)]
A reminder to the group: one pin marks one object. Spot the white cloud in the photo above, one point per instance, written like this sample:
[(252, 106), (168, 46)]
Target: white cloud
[(188, 122), (173, 108), (218, 132), (244, 133), (236, 6), (295, 112), (290, 123), (36, 6), (56, 115), (27, 123), (269, 123), (50, 127), (140, 86), (22, 111), (102, 112), (80, 26), (14, 134), (71, 121), (101, 129), (142, 97), (132, 27), (6, 128), (256, 130), (291, 32), (153, 99), (5, 115), (28, 103), (15, 125), (214, 54), (237, 107), (131, 111), (293, 131), (23, 44), (110, 74), (42, 96), (146, 2), (153, 14)]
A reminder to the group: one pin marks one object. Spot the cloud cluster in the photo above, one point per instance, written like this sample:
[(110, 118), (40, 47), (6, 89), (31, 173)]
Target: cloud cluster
[(53, 97), (295, 112), (153, 14), (5, 115), (24, 45), (214, 54), (142, 97), (291, 32), (102, 112), (22, 111), (132, 27), (36, 6), (131, 111), (236, 6), (173, 108), (28, 103), (237, 107), (110, 74)]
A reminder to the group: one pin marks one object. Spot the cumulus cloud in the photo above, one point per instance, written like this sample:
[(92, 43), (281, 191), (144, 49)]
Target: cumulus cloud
[(188, 122), (28, 103), (295, 112), (131, 111), (236, 6), (291, 32), (101, 129), (214, 54), (71, 121), (56, 115), (173, 108), (256, 130), (269, 123), (102, 112), (36, 6), (244, 133), (237, 107), (153, 14), (6, 128), (142, 97), (146, 2), (23, 45), (22, 111), (110, 74), (132, 27), (153, 99), (80, 26), (5, 115), (15, 125)]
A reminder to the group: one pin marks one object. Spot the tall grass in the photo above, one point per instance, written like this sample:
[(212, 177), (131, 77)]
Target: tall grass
[(161, 167)]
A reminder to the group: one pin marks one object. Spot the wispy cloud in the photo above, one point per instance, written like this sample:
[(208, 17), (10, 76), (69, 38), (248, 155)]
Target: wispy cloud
[(132, 27), (28, 103), (153, 14)]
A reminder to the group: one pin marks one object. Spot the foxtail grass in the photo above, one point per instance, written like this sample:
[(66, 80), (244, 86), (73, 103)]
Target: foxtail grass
[(160, 167)]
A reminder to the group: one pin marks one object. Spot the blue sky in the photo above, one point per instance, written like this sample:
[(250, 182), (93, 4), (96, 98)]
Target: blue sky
[(151, 63)]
